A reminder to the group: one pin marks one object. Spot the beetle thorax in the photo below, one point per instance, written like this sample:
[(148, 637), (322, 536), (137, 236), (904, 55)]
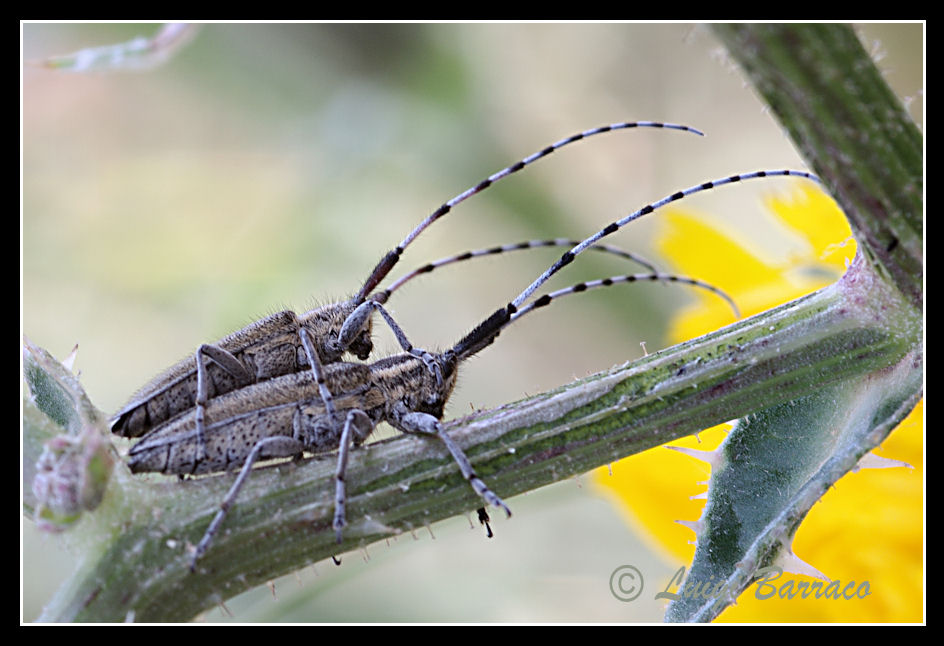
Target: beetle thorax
[(324, 324)]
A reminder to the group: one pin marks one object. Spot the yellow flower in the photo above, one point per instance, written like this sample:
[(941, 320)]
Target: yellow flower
[(869, 526)]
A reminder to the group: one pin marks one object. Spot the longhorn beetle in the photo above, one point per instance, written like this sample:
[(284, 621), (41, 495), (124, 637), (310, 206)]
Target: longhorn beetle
[(157, 413), (384, 295), (338, 408), (345, 401), (273, 346)]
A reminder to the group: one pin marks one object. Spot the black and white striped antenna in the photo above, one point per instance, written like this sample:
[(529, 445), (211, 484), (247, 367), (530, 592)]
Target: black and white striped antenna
[(486, 332), (482, 336), (386, 264), (383, 296), (569, 256)]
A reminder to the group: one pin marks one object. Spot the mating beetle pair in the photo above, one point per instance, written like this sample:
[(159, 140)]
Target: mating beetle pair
[(278, 387)]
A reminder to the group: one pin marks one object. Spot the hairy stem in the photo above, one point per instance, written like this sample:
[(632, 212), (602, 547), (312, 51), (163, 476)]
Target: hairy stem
[(282, 521)]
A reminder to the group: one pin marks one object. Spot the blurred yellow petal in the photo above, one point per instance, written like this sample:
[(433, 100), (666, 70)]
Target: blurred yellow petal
[(869, 526), (814, 216), (697, 249)]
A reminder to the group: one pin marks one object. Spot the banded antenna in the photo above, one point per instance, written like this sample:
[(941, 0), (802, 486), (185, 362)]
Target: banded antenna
[(569, 256), (486, 332), (384, 295), (546, 299), (386, 264)]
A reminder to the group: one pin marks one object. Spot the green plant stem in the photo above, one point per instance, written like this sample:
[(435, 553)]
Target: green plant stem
[(282, 521), (852, 130)]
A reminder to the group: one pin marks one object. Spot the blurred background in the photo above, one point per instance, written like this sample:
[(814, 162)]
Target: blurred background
[(269, 167)]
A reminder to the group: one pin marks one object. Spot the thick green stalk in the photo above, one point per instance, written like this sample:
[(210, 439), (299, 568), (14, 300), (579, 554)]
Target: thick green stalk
[(851, 128), (282, 521)]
